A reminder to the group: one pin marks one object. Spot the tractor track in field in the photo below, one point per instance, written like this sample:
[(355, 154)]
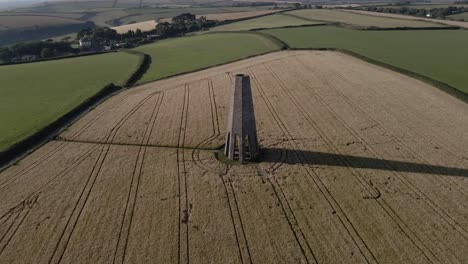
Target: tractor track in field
[(332, 201), (372, 192), (406, 182), (345, 175), (136, 176), (68, 231)]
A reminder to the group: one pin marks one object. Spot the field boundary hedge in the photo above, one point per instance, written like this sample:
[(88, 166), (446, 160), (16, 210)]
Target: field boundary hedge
[(207, 67), (279, 43), (145, 62), (225, 22), (357, 27), (438, 84), (410, 28), (59, 58), (39, 138), (292, 26)]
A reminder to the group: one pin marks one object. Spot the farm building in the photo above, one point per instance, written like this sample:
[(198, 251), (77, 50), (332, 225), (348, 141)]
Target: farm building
[(85, 43)]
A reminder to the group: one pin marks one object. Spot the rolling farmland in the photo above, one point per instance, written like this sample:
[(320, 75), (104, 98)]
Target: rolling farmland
[(179, 55), (230, 16), (55, 19), (406, 49), (359, 20), (397, 16), (360, 164), (271, 21), (27, 27), (127, 16), (426, 6), (35, 94), (460, 17), (31, 22)]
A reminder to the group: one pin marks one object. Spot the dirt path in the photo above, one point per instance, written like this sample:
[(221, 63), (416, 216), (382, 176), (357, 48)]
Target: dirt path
[(360, 165)]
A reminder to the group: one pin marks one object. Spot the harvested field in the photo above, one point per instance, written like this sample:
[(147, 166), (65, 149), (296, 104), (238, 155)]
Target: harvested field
[(360, 164), (143, 26), (271, 21), (359, 20), (397, 16)]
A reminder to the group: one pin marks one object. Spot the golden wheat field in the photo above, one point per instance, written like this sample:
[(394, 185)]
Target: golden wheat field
[(143, 26), (359, 165)]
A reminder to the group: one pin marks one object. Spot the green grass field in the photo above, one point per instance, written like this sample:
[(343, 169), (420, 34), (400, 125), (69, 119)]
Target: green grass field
[(35, 94), (460, 17), (179, 55), (425, 6), (438, 54), (271, 21), (359, 20)]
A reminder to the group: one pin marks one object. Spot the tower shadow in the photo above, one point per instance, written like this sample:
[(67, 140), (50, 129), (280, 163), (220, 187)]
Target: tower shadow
[(292, 156)]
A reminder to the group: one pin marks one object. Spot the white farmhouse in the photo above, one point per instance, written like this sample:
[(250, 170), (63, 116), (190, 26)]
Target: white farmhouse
[(85, 43)]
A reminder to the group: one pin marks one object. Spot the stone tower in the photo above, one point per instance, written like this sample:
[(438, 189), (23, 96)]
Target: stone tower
[(241, 136)]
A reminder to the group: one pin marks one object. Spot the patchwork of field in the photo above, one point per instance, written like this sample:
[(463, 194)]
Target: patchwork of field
[(360, 165), (220, 14), (74, 6), (426, 6), (359, 20), (61, 15), (55, 19), (231, 16), (31, 22), (271, 21), (461, 17), (143, 26), (412, 50), (180, 55), (397, 16), (35, 94), (127, 16), (238, 15)]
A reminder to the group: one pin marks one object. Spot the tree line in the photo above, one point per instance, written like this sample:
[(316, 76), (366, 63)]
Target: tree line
[(43, 49)]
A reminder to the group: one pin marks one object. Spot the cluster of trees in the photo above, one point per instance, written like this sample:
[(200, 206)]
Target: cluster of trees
[(44, 49), (105, 33), (182, 24), (107, 37), (403, 10)]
